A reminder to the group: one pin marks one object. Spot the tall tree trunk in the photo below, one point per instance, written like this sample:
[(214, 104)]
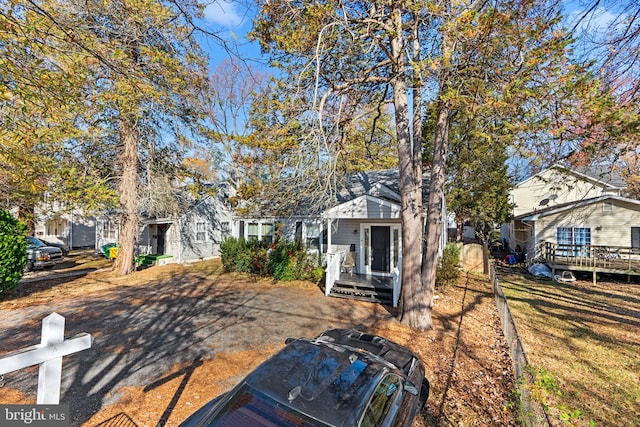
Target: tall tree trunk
[(434, 209), (410, 170), (128, 196), (436, 201)]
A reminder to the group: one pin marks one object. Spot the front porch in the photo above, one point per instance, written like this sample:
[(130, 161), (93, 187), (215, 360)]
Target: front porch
[(342, 282), (363, 287)]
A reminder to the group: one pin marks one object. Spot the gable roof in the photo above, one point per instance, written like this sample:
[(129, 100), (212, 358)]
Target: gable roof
[(363, 207), (605, 176), (573, 205), (383, 184)]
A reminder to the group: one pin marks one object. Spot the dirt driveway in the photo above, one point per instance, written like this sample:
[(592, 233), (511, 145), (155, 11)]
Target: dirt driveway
[(168, 339)]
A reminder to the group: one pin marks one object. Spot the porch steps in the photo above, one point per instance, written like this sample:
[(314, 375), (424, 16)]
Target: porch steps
[(362, 291), (150, 260)]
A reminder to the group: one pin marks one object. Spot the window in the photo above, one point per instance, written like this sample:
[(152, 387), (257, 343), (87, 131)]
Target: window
[(56, 227), (396, 247), (252, 231), (366, 246), (313, 235), (201, 231), (635, 237), (267, 232), (299, 231), (383, 404), (573, 241), (109, 230)]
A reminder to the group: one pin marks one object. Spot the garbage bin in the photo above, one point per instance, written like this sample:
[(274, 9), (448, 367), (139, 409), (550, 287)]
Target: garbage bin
[(106, 248), (113, 252)]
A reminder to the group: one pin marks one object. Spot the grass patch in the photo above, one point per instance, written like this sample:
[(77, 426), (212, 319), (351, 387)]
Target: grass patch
[(583, 344)]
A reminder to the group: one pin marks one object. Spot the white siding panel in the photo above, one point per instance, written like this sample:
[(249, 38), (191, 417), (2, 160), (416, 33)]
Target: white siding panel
[(607, 228), (554, 187)]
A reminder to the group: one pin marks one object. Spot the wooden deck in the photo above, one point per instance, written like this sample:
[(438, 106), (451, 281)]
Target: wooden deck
[(594, 259), (364, 288)]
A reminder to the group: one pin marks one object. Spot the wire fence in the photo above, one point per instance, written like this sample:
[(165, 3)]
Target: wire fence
[(532, 413)]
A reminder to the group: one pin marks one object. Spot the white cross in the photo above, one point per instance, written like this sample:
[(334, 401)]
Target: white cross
[(48, 354)]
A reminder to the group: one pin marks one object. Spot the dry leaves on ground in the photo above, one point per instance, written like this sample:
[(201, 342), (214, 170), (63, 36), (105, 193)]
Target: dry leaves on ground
[(465, 356)]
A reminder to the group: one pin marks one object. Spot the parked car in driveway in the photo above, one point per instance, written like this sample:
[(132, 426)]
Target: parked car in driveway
[(40, 255), (64, 248), (341, 378)]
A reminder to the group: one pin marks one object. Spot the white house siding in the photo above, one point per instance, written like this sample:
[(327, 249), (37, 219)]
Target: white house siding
[(608, 228), (188, 242), (554, 187), (70, 228), (345, 232)]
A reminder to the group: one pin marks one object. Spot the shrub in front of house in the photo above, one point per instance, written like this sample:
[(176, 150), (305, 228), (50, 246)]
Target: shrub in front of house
[(13, 251), (291, 261), (258, 256), (230, 251), (448, 269), (243, 256), (283, 260)]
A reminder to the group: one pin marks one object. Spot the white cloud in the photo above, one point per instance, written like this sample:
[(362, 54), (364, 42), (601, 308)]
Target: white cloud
[(225, 13)]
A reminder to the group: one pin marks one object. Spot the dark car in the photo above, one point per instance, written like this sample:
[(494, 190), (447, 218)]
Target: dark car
[(40, 255), (64, 248), (341, 378)]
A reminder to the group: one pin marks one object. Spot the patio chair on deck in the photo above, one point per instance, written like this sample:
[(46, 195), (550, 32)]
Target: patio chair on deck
[(349, 263)]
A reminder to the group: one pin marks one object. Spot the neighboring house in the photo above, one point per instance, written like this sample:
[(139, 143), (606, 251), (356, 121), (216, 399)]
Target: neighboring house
[(193, 235), (610, 221), (552, 202), (73, 229)]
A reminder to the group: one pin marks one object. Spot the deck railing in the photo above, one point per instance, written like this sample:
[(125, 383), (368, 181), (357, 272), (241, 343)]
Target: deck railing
[(592, 256)]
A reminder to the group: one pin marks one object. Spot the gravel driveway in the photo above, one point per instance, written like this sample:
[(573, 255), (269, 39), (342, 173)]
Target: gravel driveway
[(141, 332)]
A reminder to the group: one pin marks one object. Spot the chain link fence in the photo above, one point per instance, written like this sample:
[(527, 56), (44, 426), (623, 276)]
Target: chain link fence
[(532, 413)]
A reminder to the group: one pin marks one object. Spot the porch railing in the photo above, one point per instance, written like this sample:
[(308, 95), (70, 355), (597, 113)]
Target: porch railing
[(332, 273), (396, 273)]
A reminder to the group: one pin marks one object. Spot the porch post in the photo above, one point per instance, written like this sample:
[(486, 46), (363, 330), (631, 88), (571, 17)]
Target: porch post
[(328, 234)]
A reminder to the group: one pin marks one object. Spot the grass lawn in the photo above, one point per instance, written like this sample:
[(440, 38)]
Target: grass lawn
[(583, 344)]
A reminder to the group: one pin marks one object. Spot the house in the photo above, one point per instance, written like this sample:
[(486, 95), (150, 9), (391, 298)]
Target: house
[(194, 234), (71, 228), (360, 230), (606, 221), (580, 206)]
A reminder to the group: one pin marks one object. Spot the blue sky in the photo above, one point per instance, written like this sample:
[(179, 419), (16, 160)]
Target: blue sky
[(231, 19)]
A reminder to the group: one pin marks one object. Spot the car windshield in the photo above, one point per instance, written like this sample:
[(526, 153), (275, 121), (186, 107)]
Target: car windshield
[(249, 407), (34, 243)]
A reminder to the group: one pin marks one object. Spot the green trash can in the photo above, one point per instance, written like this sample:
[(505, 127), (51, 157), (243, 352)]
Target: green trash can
[(106, 249)]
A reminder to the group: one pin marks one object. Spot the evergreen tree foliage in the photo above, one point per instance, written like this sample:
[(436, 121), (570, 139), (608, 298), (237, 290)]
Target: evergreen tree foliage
[(100, 88), (13, 250)]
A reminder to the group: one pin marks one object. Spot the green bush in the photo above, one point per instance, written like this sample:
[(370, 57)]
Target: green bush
[(448, 268), (283, 260), (257, 258), (13, 251)]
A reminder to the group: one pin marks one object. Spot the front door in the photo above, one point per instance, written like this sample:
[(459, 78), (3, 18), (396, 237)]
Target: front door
[(162, 231), (380, 249)]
